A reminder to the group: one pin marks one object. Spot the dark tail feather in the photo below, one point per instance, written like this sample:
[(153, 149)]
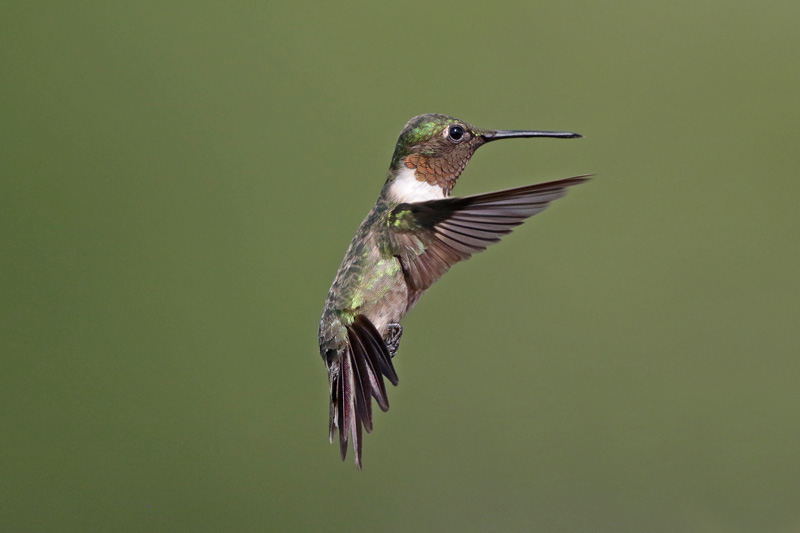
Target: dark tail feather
[(373, 372), (355, 378), (363, 388), (379, 348)]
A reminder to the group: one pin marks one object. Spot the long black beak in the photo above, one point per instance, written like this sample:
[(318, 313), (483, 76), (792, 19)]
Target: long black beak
[(508, 134)]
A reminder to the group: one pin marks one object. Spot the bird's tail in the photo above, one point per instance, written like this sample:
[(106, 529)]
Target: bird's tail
[(356, 376)]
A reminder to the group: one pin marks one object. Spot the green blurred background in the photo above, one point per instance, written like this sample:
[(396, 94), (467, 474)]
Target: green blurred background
[(180, 181)]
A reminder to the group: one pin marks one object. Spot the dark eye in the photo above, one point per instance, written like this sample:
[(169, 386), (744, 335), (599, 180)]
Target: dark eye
[(456, 133)]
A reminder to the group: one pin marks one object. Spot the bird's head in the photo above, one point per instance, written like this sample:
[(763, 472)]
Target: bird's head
[(435, 148)]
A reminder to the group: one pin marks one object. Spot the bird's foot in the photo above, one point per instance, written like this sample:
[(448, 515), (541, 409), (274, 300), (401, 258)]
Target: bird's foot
[(394, 332)]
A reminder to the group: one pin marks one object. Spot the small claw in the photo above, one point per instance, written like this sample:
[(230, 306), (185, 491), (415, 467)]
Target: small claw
[(394, 332)]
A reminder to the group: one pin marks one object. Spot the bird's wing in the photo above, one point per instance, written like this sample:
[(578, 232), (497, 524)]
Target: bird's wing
[(429, 237)]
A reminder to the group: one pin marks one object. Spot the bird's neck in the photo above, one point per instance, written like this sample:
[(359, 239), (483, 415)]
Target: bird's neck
[(405, 186)]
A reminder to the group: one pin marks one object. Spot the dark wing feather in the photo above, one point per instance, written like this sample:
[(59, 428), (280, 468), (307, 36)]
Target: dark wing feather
[(356, 377), (429, 237)]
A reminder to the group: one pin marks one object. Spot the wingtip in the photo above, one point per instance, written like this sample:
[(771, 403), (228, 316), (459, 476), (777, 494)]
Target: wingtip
[(571, 181)]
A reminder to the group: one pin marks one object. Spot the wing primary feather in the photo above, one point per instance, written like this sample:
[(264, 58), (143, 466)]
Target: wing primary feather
[(487, 216), (472, 242), (471, 232), (456, 244), (483, 227)]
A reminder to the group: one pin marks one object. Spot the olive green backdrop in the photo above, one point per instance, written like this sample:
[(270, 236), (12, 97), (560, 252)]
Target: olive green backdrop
[(179, 181)]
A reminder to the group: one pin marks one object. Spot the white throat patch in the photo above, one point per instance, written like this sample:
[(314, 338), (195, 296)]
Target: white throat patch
[(406, 188)]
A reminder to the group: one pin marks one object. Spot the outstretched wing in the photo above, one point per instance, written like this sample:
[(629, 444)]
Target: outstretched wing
[(429, 237)]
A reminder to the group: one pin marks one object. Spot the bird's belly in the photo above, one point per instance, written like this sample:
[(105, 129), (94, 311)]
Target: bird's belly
[(384, 297), (388, 307)]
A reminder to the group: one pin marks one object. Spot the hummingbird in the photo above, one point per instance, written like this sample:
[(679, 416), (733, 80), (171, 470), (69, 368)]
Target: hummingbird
[(415, 232)]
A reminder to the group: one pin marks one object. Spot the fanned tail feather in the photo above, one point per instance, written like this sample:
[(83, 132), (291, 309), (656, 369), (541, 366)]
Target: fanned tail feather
[(356, 377)]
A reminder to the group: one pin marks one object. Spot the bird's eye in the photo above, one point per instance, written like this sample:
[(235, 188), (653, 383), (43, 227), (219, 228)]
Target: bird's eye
[(455, 133)]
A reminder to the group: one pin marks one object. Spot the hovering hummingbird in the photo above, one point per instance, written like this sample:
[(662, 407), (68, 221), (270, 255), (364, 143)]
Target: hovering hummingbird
[(412, 236)]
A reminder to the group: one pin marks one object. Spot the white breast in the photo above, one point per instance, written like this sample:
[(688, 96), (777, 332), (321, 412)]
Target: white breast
[(407, 188)]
